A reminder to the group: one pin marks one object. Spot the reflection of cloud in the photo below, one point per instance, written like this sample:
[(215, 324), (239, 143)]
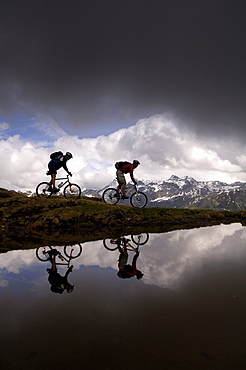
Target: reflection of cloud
[(177, 251), (164, 260), (167, 256), (13, 261)]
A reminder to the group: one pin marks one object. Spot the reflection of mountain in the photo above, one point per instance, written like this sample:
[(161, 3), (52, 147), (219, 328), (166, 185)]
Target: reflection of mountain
[(188, 193)]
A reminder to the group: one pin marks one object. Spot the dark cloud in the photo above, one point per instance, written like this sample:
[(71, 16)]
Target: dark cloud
[(102, 64)]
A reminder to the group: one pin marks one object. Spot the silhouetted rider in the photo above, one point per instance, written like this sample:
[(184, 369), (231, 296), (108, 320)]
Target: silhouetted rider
[(58, 283), (127, 271), (54, 165), (120, 174)]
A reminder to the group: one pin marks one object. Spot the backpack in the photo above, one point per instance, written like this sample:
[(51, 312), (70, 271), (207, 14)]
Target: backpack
[(55, 154), (119, 165)]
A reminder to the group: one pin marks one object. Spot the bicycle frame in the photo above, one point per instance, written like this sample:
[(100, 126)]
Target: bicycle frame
[(62, 258), (70, 252), (125, 243), (138, 240), (132, 187), (62, 178), (129, 247)]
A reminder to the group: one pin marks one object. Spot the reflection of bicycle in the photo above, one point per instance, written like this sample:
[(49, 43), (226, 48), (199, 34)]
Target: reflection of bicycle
[(113, 244), (70, 252), (137, 199), (71, 191)]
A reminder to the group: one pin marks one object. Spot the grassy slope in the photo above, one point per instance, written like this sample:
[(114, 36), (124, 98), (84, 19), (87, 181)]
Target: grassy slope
[(56, 219)]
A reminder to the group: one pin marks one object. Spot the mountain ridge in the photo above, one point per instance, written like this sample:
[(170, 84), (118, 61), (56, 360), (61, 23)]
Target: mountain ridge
[(186, 192)]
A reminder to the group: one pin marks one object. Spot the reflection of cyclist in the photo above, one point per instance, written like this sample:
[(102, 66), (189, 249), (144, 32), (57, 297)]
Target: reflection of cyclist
[(120, 174), (54, 165), (127, 271), (58, 283)]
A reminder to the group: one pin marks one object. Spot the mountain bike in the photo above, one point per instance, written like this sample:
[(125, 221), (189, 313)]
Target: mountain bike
[(70, 252), (71, 191), (137, 199), (113, 244)]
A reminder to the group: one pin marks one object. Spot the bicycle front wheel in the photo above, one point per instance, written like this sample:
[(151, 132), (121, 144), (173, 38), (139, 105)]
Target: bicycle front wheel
[(43, 190), (72, 191), (110, 244), (140, 239), (73, 251), (110, 196), (41, 253), (138, 199)]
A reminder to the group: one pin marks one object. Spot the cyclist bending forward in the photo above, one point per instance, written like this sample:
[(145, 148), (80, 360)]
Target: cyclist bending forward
[(54, 165), (120, 174)]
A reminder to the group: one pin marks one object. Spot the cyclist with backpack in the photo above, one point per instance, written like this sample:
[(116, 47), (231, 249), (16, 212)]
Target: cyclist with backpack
[(58, 160), (58, 283), (123, 168)]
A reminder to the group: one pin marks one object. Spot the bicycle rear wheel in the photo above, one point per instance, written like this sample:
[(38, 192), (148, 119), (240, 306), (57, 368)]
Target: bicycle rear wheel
[(140, 239), (110, 244), (43, 190), (109, 196), (72, 191), (138, 199), (73, 251), (41, 253)]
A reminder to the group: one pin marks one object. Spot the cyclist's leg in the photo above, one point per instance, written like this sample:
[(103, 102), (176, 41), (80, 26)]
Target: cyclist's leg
[(123, 187), (53, 179), (53, 263), (53, 172), (122, 182), (123, 258), (119, 180)]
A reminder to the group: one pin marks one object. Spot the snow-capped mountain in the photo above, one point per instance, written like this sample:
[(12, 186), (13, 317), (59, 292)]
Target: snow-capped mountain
[(186, 192)]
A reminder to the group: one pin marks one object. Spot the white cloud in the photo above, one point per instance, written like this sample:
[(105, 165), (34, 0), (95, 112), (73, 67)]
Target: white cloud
[(158, 142), (48, 126), (4, 126)]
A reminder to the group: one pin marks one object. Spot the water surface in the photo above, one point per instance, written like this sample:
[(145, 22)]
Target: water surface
[(187, 311)]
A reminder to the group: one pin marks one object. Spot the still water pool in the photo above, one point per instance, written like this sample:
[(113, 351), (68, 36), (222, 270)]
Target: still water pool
[(188, 310)]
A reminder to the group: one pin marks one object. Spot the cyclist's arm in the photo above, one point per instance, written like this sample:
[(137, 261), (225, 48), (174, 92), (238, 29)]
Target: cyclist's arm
[(70, 269), (131, 174), (64, 165)]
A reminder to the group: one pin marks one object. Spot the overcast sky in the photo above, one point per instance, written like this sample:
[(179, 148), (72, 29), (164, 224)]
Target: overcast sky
[(162, 81)]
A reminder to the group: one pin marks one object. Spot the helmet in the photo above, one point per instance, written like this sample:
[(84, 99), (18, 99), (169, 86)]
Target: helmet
[(136, 162), (69, 154)]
